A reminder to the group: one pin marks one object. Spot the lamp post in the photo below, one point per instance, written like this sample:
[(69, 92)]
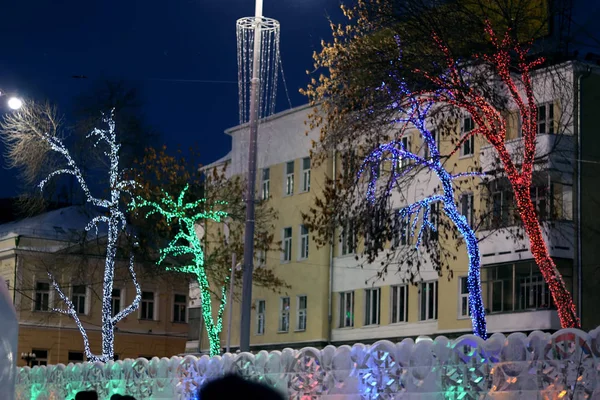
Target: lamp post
[(249, 231), (29, 358)]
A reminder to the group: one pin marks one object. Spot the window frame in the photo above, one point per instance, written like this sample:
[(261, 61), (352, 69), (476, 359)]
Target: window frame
[(39, 361), (344, 311), (265, 188), (76, 302), (260, 317), (301, 313), (284, 315), (286, 254), (348, 242), (180, 305), (304, 240), (288, 182), (401, 303), (71, 358), (463, 298), (305, 175), (372, 297), (112, 301), (470, 214), (469, 142), (48, 293), (548, 120), (427, 301), (147, 301)]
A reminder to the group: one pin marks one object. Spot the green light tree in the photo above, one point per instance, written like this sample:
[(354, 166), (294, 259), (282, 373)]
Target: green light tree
[(187, 245)]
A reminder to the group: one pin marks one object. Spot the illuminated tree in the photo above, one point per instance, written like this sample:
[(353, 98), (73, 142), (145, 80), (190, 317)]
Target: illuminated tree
[(415, 114), (186, 246), (35, 130)]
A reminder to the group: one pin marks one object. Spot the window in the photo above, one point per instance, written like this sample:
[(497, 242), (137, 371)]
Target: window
[(116, 301), (266, 183), (78, 298), (42, 296), (261, 258), (147, 307), (405, 228), (562, 201), (372, 303), (306, 174), (397, 229), (428, 300), (545, 123), (303, 242), (75, 357), (501, 209), (466, 207), (41, 357), (287, 245), (403, 162), (464, 310), (540, 201), (517, 287), (346, 309), (260, 317), (179, 307), (301, 313), (468, 146), (7, 283), (284, 314), (399, 303), (435, 136), (349, 166), (348, 238), (289, 178)]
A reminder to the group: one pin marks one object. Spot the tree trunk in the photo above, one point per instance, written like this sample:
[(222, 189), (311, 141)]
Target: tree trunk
[(561, 296), (109, 274)]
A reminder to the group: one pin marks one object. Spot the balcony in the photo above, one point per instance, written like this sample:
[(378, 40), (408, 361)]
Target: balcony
[(555, 152), (508, 244)]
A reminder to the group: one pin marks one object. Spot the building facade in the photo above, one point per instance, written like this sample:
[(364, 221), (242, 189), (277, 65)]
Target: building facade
[(334, 298), (55, 242)]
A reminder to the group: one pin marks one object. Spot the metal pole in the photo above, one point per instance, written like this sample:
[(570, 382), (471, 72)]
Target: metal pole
[(249, 232), (229, 316)]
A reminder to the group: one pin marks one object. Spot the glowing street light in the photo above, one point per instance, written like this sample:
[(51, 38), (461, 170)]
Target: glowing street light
[(15, 103)]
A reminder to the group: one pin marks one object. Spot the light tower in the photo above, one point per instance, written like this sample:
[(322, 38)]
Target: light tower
[(258, 60)]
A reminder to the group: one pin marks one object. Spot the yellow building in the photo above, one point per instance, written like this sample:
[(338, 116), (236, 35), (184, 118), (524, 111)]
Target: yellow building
[(56, 242), (335, 300)]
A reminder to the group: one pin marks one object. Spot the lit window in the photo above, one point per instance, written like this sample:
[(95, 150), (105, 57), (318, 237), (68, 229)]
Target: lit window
[(289, 178), (372, 306), (346, 309)]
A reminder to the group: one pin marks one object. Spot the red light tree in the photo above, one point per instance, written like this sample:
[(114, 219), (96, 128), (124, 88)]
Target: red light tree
[(454, 90)]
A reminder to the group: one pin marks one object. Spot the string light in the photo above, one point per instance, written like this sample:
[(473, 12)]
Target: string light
[(116, 223), (187, 242), (492, 126), (416, 114)]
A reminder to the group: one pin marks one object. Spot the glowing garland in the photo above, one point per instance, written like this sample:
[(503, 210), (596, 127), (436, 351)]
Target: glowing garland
[(116, 223), (187, 216), (416, 113), (492, 126)]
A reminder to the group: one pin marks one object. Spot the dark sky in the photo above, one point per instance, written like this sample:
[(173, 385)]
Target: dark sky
[(160, 46)]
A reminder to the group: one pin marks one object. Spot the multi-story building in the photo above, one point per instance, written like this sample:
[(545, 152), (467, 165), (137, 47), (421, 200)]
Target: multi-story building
[(57, 242), (334, 299)]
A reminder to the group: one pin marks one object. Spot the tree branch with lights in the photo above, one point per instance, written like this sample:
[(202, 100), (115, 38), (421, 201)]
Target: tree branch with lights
[(35, 130), (187, 243)]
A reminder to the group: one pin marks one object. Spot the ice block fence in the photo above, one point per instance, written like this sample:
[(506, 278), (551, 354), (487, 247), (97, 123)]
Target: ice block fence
[(562, 365)]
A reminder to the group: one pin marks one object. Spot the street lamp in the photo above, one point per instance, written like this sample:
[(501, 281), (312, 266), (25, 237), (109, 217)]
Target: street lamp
[(29, 358), (15, 103)]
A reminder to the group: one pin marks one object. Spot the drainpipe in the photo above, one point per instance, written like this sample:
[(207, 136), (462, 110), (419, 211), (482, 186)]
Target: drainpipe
[(579, 267), (17, 239), (330, 294)]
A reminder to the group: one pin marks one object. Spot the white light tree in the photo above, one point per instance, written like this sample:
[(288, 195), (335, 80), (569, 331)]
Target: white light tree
[(33, 133)]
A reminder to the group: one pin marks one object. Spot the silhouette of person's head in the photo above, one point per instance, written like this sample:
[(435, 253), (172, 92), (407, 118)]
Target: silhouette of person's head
[(89, 395), (234, 387)]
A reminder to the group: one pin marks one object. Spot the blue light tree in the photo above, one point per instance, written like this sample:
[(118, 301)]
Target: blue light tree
[(415, 112)]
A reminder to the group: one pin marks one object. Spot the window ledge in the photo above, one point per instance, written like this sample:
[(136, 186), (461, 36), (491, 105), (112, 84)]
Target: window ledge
[(345, 327), (259, 334), (462, 157), (370, 326), (285, 262), (425, 321), (299, 330), (462, 317), (283, 332), (398, 323)]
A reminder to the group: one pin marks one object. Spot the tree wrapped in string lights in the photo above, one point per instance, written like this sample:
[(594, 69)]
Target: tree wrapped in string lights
[(415, 113), (453, 88), (187, 243), (34, 132)]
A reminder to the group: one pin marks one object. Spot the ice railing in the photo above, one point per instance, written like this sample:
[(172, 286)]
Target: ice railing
[(563, 365)]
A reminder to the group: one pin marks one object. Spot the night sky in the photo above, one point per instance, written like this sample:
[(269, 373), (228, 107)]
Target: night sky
[(163, 47)]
